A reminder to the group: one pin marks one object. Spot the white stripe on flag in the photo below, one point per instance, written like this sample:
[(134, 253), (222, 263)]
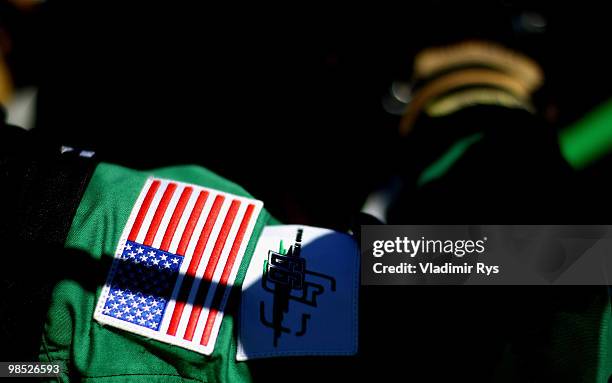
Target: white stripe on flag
[(183, 221), (163, 226), (151, 212), (218, 271), (202, 267), (188, 253), (232, 278)]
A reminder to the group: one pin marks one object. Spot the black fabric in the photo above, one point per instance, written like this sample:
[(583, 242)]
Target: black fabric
[(40, 191), (515, 172), (43, 186)]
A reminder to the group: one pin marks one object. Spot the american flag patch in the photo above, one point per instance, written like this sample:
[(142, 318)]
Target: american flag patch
[(176, 263)]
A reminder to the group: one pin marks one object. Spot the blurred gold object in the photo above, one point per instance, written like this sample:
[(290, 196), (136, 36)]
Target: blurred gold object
[(479, 96), (6, 82), (472, 64), (524, 69)]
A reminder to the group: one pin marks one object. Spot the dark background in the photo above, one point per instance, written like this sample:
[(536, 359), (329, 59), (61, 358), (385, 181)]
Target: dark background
[(285, 101)]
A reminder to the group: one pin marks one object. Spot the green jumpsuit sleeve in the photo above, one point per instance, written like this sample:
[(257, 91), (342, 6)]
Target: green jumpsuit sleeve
[(96, 353)]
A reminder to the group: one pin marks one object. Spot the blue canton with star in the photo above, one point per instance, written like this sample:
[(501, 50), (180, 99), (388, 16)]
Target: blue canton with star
[(142, 285)]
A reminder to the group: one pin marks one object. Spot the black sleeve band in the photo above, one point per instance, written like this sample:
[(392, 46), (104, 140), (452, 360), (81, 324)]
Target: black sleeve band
[(41, 186)]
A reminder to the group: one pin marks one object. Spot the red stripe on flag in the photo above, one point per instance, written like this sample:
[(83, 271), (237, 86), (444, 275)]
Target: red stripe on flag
[(226, 274), (205, 235), (212, 314), (159, 214), (143, 210), (176, 217), (193, 219), (210, 269), (194, 263)]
